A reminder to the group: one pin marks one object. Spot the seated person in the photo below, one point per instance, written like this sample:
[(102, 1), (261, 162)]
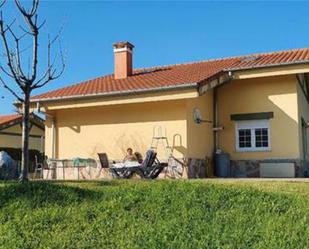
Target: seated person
[(139, 157), (130, 157)]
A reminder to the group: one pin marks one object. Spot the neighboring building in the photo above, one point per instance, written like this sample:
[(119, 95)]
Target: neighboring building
[(11, 132), (260, 101)]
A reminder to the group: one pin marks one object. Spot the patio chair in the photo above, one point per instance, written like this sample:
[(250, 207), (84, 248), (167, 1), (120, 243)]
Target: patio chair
[(149, 159), (156, 170), (153, 171), (38, 170), (151, 166), (103, 160)]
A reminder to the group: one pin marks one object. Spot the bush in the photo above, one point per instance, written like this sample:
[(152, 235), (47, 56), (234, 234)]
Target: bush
[(153, 214)]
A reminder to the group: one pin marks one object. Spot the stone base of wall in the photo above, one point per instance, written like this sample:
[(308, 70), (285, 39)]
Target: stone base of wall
[(251, 168), (176, 169), (198, 168), (187, 168)]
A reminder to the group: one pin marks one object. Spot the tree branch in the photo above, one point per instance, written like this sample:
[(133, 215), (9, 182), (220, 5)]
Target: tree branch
[(14, 62), (10, 90), (8, 53), (50, 73), (2, 3)]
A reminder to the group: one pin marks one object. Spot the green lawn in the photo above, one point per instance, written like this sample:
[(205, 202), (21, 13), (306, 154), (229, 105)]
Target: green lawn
[(154, 214)]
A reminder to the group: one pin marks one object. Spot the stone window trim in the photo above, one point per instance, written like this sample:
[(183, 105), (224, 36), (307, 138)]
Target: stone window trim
[(252, 135)]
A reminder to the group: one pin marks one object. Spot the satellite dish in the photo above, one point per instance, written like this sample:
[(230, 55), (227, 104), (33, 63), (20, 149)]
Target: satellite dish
[(197, 116)]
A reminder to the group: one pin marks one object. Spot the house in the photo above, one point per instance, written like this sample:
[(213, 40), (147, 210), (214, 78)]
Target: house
[(257, 106), (11, 132)]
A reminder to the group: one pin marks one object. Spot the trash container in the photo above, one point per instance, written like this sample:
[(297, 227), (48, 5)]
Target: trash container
[(222, 165)]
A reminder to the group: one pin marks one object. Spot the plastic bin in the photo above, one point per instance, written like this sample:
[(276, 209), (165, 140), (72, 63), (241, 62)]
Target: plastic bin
[(222, 165)]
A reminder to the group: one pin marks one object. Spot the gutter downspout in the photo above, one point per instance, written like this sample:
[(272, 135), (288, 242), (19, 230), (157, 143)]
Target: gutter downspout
[(216, 128), (216, 112)]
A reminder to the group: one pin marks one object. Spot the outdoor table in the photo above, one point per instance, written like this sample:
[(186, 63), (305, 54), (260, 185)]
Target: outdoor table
[(123, 170), (125, 165)]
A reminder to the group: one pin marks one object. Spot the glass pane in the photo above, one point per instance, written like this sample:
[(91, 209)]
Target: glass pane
[(244, 136), (261, 138)]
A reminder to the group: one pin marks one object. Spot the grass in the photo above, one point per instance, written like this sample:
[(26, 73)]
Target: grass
[(154, 214)]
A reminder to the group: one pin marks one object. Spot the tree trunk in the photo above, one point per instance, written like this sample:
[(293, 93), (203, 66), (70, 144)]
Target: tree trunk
[(25, 139)]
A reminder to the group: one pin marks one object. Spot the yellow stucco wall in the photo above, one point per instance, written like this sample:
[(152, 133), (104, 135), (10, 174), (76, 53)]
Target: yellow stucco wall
[(84, 132), (269, 94), (9, 141), (200, 136)]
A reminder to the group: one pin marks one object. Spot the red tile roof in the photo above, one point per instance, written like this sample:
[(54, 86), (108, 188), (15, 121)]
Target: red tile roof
[(176, 75), (6, 119)]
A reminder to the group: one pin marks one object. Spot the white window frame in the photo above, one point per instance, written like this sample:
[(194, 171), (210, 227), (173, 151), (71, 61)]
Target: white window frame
[(252, 125)]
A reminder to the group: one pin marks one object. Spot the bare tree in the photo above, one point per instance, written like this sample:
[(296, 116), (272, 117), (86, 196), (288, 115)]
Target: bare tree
[(21, 82)]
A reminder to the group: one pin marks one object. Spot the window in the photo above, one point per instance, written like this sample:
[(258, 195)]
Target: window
[(252, 135)]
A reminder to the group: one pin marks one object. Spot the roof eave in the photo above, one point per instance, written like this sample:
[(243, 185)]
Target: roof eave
[(33, 119), (118, 93)]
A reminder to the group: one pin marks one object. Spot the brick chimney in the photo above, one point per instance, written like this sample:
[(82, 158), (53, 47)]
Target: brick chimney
[(123, 59)]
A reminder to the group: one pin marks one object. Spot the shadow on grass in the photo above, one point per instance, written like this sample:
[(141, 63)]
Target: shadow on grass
[(38, 194)]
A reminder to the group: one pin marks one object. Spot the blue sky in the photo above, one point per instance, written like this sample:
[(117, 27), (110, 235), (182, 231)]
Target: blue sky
[(165, 33)]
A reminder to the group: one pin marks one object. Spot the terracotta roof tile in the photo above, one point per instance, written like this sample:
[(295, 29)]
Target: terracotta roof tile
[(274, 58), (6, 119), (176, 75)]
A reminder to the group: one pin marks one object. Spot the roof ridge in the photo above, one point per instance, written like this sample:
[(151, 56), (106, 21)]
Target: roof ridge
[(189, 63), (221, 58)]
